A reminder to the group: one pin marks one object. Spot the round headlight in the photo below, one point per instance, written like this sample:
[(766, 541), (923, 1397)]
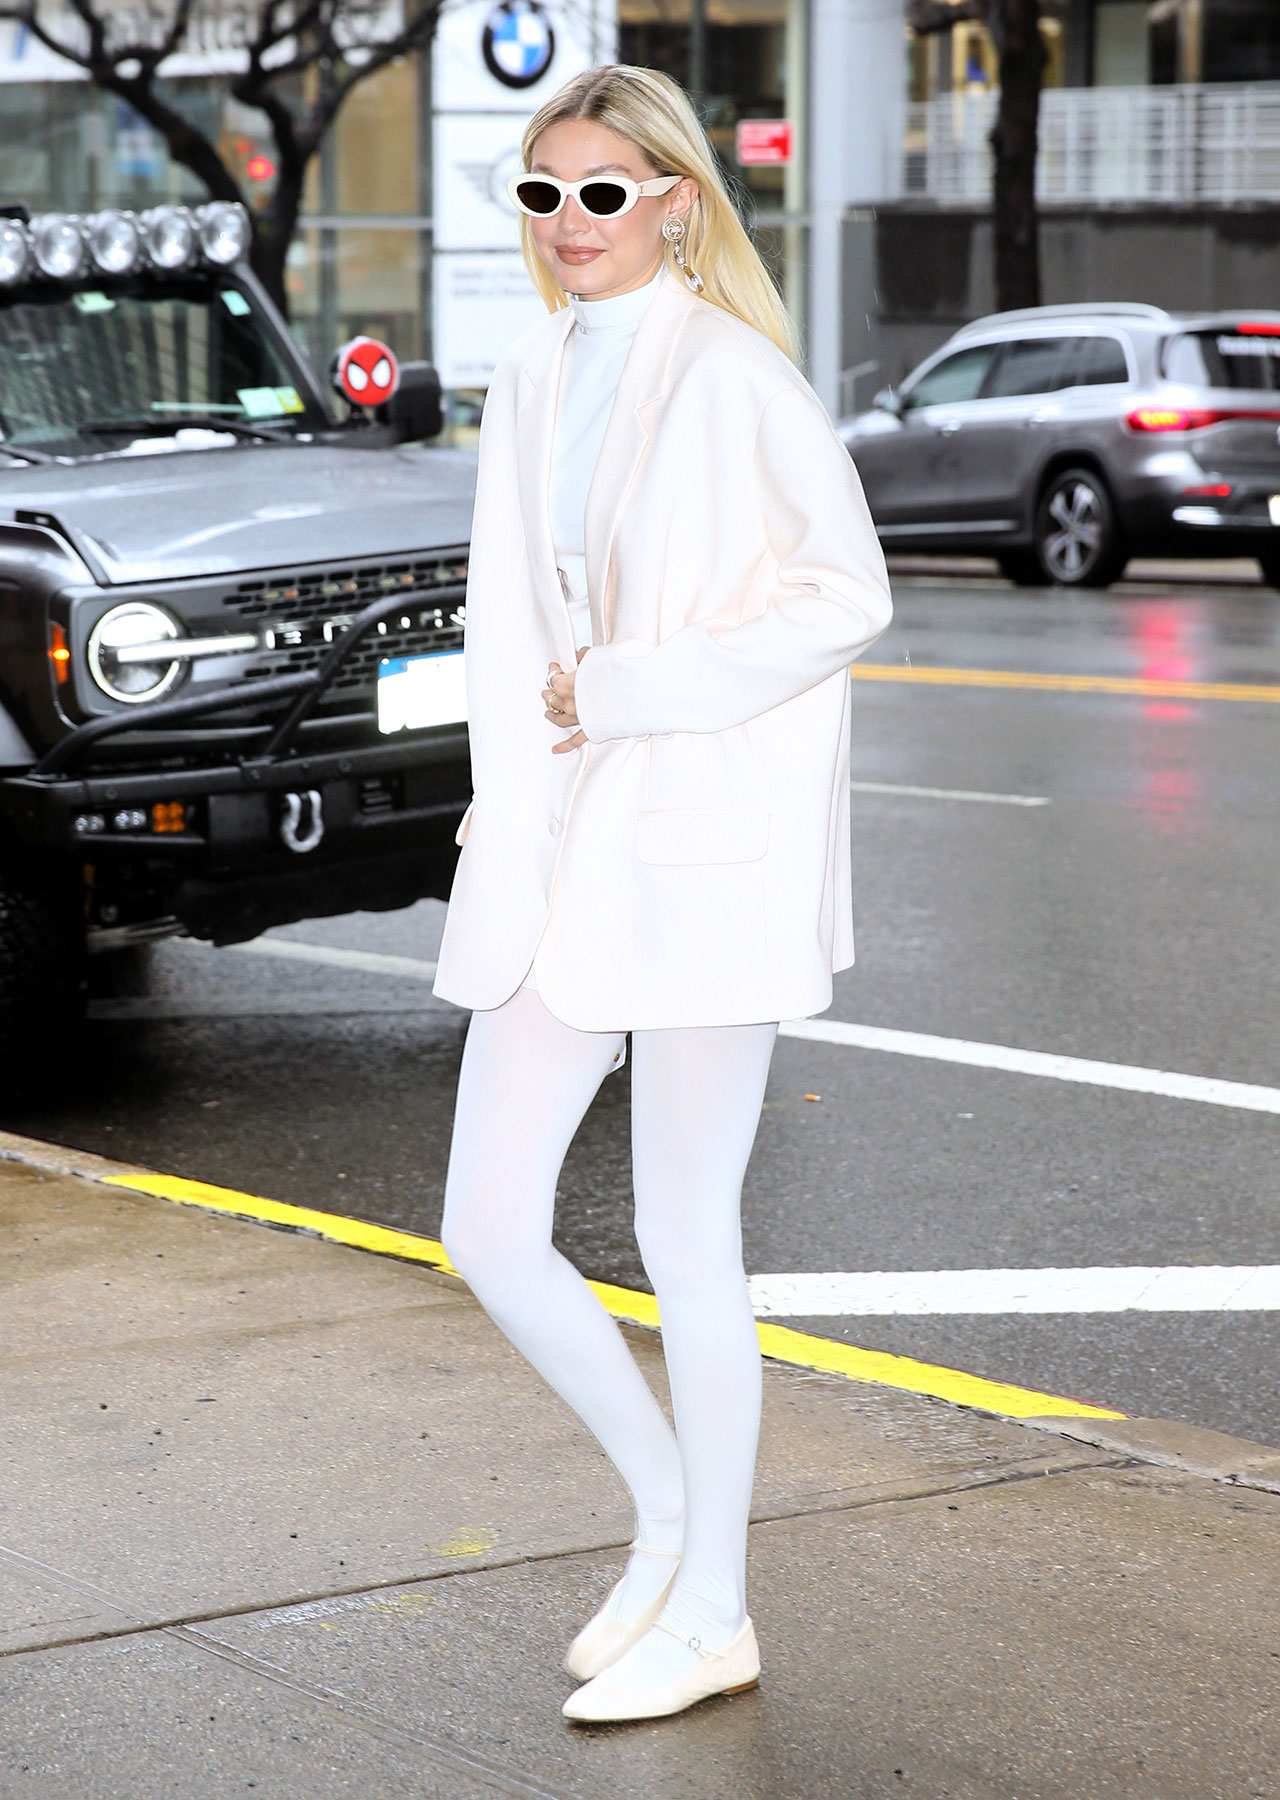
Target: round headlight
[(15, 253), (224, 231), (115, 242), (170, 236), (59, 246), (124, 655)]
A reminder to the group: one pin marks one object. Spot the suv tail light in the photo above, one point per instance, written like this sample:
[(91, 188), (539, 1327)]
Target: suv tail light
[(1166, 418), (1189, 418)]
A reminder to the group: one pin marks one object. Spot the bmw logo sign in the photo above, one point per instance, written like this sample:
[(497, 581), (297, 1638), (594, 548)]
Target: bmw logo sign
[(518, 43)]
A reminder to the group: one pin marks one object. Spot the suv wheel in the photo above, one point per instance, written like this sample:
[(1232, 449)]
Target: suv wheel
[(1022, 568), (1077, 536), (41, 971), (1269, 563)]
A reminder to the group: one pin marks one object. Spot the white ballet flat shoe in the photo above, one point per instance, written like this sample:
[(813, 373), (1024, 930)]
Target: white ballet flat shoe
[(727, 1671), (602, 1640)]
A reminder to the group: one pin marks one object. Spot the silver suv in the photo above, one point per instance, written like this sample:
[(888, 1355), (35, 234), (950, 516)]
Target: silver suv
[(1063, 440)]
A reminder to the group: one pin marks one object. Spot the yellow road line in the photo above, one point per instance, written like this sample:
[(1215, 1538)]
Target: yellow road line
[(1069, 684), (776, 1341)]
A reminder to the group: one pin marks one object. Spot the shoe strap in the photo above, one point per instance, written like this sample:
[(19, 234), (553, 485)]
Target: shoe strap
[(690, 1643), (644, 1550)]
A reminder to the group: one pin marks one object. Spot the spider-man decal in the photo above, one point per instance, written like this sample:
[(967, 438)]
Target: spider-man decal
[(366, 372)]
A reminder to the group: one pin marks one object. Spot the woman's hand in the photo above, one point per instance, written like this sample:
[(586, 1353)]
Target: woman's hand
[(558, 698)]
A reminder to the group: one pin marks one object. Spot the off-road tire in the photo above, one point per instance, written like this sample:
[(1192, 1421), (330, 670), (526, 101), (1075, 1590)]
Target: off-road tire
[(1078, 537), (41, 974)]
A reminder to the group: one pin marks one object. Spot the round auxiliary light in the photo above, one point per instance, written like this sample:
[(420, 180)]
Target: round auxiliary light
[(224, 231), (115, 242), (169, 233), (114, 646), (15, 252), (58, 242)]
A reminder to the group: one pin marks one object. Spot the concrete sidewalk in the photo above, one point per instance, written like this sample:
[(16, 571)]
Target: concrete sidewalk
[(280, 1517)]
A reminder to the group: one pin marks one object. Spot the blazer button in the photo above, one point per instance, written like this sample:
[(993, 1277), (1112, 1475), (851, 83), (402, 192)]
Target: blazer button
[(553, 826)]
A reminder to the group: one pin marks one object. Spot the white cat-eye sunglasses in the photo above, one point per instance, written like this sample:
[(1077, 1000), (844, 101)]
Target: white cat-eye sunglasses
[(600, 196)]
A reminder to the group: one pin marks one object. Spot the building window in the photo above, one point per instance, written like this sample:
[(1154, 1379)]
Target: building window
[(1241, 40), (754, 70)]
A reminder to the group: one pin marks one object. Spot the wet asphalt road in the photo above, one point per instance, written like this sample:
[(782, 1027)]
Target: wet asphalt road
[(1132, 919)]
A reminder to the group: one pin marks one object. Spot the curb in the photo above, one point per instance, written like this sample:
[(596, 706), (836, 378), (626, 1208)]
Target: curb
[(1161, 1443), (1142, 572)]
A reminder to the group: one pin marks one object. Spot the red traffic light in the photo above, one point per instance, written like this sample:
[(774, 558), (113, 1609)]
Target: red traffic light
[(365, 372), (259, 168)]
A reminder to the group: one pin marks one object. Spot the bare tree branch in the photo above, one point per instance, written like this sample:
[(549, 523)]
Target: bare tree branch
[(1014, 26)]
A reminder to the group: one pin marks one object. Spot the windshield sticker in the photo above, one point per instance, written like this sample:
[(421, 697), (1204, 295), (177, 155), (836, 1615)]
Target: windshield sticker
[(269, 402), (235, 302), (93, 303)]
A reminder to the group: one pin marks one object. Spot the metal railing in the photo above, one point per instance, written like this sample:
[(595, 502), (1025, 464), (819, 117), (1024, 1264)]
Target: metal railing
[(1218, 144)]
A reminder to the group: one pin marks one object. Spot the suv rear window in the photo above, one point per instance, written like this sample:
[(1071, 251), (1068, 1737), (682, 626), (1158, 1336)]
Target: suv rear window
[(1031, 366), (1224, 359), (1046, 365), (1101, 360)]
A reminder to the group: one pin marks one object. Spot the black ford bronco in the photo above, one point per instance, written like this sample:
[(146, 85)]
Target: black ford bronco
[(230, 616)]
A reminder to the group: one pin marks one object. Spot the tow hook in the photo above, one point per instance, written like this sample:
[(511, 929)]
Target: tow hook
[(302, 826)]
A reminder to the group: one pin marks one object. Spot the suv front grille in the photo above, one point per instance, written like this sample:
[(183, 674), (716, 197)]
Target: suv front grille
[(301, 615)]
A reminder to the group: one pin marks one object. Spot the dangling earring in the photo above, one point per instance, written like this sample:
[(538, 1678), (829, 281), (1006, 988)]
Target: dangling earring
[(673, 231)]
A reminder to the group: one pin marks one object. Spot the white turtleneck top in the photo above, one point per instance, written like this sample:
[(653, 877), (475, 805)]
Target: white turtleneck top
[(596, 349)]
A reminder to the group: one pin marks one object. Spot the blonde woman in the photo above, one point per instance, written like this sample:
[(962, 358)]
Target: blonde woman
[(671, 567)]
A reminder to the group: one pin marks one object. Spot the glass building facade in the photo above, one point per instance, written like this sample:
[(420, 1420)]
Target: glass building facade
[(361, 260), (1116, 43)]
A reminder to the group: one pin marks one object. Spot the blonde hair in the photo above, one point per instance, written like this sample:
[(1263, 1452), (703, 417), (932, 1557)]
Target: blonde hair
[(655, 114)]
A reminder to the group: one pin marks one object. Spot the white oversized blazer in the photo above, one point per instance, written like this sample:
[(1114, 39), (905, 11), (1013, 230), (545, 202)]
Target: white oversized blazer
[(690, 864)]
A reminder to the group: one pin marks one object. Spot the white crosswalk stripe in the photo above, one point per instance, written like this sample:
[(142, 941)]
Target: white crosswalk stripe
[(1204, 1089), (973, 1291), (932, 793)]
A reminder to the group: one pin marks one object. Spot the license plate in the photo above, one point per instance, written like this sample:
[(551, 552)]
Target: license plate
[(1273, 507), (417, 691)]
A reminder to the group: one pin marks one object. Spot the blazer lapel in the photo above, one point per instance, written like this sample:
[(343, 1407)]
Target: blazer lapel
[(631, 422), (535, 425)]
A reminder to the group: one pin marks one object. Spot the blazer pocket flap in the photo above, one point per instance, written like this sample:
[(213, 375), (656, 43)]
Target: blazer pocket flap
[(464, 825), (708, 834)]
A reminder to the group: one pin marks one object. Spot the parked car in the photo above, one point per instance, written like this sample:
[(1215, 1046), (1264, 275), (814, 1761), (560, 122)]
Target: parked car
[(230, 617), (1064, 440)]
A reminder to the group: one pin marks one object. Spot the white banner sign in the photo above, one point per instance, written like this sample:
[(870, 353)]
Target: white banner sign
[(493, 65), (482, 303), (475, 155)]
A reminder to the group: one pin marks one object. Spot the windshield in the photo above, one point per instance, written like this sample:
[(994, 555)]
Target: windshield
[(74, 363), (1225, 359)]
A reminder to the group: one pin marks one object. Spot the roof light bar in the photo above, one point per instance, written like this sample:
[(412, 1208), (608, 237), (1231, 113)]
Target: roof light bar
[(169, 233), (223, 228), (115, 242), (15, 253), (59, 247), (166, 239)]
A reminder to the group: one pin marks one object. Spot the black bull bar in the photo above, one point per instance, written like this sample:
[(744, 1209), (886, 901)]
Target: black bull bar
[(306, 691)]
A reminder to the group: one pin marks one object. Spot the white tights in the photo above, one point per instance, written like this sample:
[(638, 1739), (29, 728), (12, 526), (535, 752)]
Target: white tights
[(526, 1081)]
